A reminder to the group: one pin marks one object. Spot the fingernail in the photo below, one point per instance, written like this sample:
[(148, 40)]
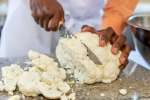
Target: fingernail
[(115, 50), (102, 43), (123, 59)]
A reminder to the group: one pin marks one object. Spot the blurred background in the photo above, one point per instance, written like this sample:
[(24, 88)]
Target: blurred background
[(143, 6), (3, 13)]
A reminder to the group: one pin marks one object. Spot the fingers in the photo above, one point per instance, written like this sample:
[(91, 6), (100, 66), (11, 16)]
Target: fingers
[(54, 22), (37, 13), (45, 23), (106, 36), (36, 19), (41, 20), (47, 14), (121, 45), (31, 5), (125, 53), (48, 21), (61, 11), (113, 40), (86, 28), (122, 66), (118, 44), (57, 20), (34, 11)]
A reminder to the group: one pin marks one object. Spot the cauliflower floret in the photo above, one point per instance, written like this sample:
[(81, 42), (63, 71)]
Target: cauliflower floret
[(48, 91), (73, 55), (53, 76), (15, 97), (33, 54), (10, 76), (43, 77), (27, 83), (63, 87), (43, 62)]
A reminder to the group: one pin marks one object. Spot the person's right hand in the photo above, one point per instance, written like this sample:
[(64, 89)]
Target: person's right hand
[(49, 14), (118, 42)]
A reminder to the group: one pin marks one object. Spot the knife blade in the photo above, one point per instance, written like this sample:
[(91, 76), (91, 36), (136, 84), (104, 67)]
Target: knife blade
[(92, 56), (67, 34), (64, 32)]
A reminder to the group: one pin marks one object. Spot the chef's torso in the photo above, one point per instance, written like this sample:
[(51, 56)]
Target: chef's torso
[(80, 12)]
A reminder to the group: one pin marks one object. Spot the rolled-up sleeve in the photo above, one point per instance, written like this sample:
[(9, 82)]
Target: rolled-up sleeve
[(116, 14)]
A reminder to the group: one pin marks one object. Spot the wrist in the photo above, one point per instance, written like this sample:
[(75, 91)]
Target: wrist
[(115, 21)]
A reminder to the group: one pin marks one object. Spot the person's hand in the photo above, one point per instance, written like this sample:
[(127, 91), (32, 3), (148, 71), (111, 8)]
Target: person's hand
[(49, 14), (119, 43)]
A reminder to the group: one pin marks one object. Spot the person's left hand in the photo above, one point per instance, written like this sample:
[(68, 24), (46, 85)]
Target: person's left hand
[(119, 42)]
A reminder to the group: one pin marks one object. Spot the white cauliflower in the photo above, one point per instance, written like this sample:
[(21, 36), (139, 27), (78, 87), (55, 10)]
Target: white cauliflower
[(15, 97), (27, 83), (73, 55), (43, 62), (43, 77), (10, 76), (48, 91)]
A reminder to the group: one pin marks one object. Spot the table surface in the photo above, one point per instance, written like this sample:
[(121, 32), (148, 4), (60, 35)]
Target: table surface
[(137, 85)]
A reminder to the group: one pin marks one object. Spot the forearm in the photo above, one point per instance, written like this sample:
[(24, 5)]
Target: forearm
[(116, 14)]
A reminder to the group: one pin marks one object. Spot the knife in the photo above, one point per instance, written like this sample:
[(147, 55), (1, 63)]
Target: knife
[(92, 56), (67, 34), (64, 32)]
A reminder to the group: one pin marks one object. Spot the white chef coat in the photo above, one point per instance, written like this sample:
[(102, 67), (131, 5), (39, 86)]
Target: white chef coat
[(21, 33)]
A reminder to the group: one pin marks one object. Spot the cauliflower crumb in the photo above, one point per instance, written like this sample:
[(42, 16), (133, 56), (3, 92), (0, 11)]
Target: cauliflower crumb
[(10, 76), (102, 94), (15, 97), (72, 96), (123, 91)]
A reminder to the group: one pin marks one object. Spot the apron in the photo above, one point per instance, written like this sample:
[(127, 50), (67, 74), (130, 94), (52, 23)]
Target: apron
[(21, 34)]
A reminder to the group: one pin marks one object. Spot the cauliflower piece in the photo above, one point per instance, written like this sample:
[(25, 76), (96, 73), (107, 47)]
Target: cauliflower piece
[(27, 83), (102, 94), (73, 55), (43, 62), (35, 69), (63, 87), (123, 91), (33, 55), (72, 96), (52, 83), (48, 91), (15, 97), (45, 77), (53, 76), (63, 97), (10, 76)]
